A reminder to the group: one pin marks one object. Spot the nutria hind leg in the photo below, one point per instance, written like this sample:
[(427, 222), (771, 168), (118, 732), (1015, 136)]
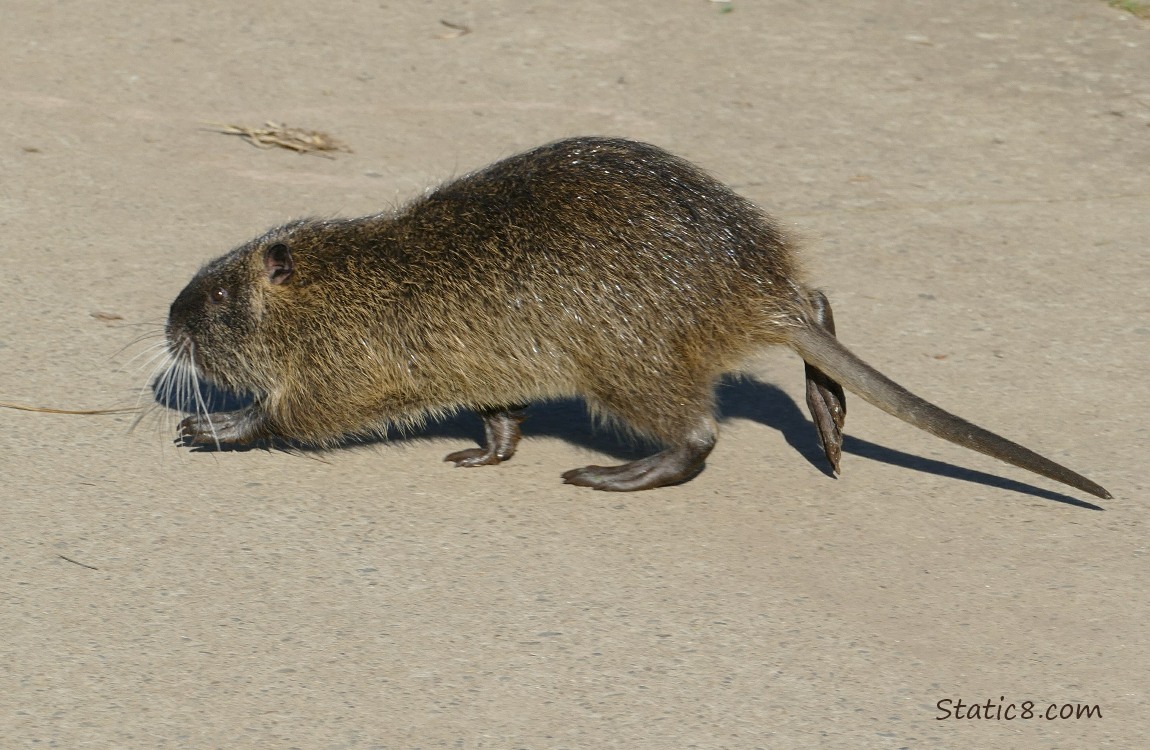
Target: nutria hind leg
[(825, 398), (675, 465), (500, 438)]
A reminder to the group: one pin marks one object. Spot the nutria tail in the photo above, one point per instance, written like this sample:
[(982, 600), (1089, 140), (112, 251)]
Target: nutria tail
[(823, 350)]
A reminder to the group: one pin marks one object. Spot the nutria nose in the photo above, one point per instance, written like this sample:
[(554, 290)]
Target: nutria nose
[(179, 312)]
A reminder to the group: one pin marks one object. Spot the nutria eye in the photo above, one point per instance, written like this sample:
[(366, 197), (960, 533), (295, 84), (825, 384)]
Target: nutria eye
[(218, 296)]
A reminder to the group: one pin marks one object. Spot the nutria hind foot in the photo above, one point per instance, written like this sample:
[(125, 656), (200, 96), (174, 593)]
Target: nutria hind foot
[(501, 437), (671, 466), (825, 398)]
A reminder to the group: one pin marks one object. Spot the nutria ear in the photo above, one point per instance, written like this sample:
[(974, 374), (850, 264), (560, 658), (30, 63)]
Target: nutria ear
[(278, 263)]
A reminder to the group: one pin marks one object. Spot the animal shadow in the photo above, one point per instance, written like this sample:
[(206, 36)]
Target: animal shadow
[(568, 420), (771, 406)]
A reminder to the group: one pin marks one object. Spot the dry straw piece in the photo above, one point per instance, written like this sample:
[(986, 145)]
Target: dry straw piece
[(51, 410), (279, 135)]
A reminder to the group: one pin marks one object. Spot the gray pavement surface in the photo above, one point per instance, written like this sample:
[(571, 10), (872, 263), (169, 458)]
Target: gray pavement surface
[(973, 183)]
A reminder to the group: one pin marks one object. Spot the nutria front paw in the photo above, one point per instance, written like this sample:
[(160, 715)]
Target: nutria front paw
[(242, 426)]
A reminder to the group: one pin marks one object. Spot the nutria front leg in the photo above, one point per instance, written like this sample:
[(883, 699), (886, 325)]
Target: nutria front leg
[(244, 425), (501, 436), (825, 398), (671, 466)]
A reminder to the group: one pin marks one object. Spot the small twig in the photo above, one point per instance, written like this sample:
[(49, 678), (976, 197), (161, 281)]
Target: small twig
[(76, 562), (457, 30)]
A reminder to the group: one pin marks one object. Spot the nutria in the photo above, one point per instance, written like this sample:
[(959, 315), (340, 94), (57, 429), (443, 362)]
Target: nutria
[(592, 267)]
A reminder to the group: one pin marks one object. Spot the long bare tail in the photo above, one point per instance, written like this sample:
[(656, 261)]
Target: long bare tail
[(821, 349)]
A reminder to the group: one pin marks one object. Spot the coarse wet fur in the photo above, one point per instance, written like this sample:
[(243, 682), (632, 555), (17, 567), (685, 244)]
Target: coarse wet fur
[(592, 267)]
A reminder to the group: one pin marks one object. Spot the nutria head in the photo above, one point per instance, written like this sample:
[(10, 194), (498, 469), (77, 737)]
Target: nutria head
[(217, 322)]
